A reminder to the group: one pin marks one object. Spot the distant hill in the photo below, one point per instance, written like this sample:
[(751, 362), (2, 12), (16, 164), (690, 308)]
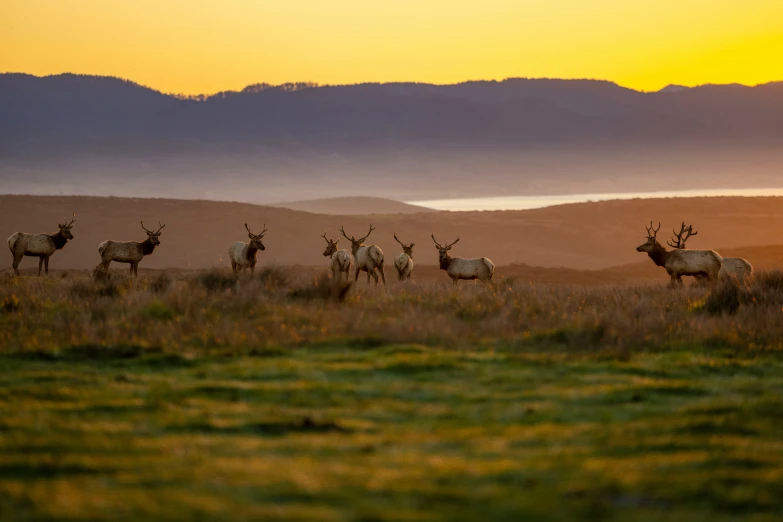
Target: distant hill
[(585, 236), (351, 206), (74, 134)]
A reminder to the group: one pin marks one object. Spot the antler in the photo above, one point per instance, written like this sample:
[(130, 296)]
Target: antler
[(342, 231), (688, 231), (145, 228), (326, 238), (256, 235), (368, 234), (67, 224), (441, 246), (161, 227), (652, 233), (400, 242)]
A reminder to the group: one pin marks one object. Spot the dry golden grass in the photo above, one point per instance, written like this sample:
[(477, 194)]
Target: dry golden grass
[(196, 396)]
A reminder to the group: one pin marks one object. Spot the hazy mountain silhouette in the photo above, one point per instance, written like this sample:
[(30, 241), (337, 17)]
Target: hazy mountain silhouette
[(519, 133)]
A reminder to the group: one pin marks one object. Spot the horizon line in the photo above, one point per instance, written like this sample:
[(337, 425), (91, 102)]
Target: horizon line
[(314, 85)]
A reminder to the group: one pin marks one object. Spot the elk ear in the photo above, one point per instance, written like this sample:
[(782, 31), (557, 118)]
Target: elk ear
[(149, 233), (335, 243), (251, 236)]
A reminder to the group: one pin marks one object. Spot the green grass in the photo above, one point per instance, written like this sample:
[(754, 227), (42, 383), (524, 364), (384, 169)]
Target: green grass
[(511, 404)]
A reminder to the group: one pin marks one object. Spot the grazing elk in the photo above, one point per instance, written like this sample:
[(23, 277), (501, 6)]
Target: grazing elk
[(368, 258), (243, 255), (732, 267), (341, 260), (131, 252), (458, 268), (403, 263), (704, 264), (41, 246)]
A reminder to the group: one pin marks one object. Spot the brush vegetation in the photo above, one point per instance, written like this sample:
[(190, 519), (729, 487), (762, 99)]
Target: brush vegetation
[(280, 397)]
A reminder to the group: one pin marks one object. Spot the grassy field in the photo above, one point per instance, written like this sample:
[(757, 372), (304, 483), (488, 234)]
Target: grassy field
[(193, 396)]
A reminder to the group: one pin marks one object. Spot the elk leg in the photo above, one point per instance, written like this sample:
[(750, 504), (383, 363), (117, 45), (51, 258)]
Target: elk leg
[(40, 264), (17, 260), (383, 276), (234, 267), (46, 265), (252, 269)]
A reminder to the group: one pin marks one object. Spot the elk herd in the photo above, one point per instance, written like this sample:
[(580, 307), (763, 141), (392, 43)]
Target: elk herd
[(704, 265)]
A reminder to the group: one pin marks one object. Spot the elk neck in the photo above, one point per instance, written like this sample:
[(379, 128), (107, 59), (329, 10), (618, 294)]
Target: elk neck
[(147, 247), (251, 252), (658, 254), (59, 240), (444, 260)]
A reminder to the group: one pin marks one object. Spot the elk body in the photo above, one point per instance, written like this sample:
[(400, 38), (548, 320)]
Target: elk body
[(735, 267), (341, 261), (732, 267), (41, 246), (131, 252), (458, 268), (368, 258), (243, 255), (704, 264), (403, 263)]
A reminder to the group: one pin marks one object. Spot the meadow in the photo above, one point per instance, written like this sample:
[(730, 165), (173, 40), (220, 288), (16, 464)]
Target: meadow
[(193, 395)]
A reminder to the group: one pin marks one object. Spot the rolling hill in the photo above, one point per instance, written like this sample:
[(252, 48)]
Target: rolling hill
[(589, 236)]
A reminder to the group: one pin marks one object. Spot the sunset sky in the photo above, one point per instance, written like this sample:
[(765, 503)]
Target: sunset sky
[(199, 46)]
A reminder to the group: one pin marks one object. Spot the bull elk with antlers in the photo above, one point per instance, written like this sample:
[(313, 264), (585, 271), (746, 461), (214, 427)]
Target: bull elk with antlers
[(732, 267), (368, 258), (41, 246), (341, 260), (458, 268), (403, 263), (243, 255), (131, 252), (704, 264)]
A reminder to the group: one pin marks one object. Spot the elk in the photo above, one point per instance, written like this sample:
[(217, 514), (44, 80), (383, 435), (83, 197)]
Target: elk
[(243, 255), (41, 246), (341, 260), (403, 263), (131, 252), (458, 268), (704, 264), (368, 258), (736, 267)]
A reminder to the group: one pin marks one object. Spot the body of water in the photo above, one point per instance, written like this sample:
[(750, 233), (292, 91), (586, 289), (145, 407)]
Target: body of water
[(530, 202)]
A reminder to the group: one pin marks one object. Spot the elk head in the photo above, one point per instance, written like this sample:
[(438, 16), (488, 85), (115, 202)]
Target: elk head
[(255, 239), (356, 243), (682, 236), (652, 241), (408, 249), (152, 237), (443, 252), (331, 246), (66, 226)]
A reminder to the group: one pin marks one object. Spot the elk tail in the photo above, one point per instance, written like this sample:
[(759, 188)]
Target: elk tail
[(377, 256), (13, 239), (490, 266), (102, 247)]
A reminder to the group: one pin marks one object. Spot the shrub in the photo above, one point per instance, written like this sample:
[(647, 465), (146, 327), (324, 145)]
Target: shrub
[(158, 310), (322, 288), (217, 281), (10, 303), (725, 298), (273, 277), (160, 283)]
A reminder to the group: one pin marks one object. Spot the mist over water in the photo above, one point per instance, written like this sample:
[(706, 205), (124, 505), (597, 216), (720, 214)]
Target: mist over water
[(531, 202)]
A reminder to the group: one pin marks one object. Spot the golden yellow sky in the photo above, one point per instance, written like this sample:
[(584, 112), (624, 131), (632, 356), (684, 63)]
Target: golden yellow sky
[(199, 46)]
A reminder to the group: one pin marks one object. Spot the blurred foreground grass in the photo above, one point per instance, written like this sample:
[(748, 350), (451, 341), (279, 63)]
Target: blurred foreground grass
[(197, 398)]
